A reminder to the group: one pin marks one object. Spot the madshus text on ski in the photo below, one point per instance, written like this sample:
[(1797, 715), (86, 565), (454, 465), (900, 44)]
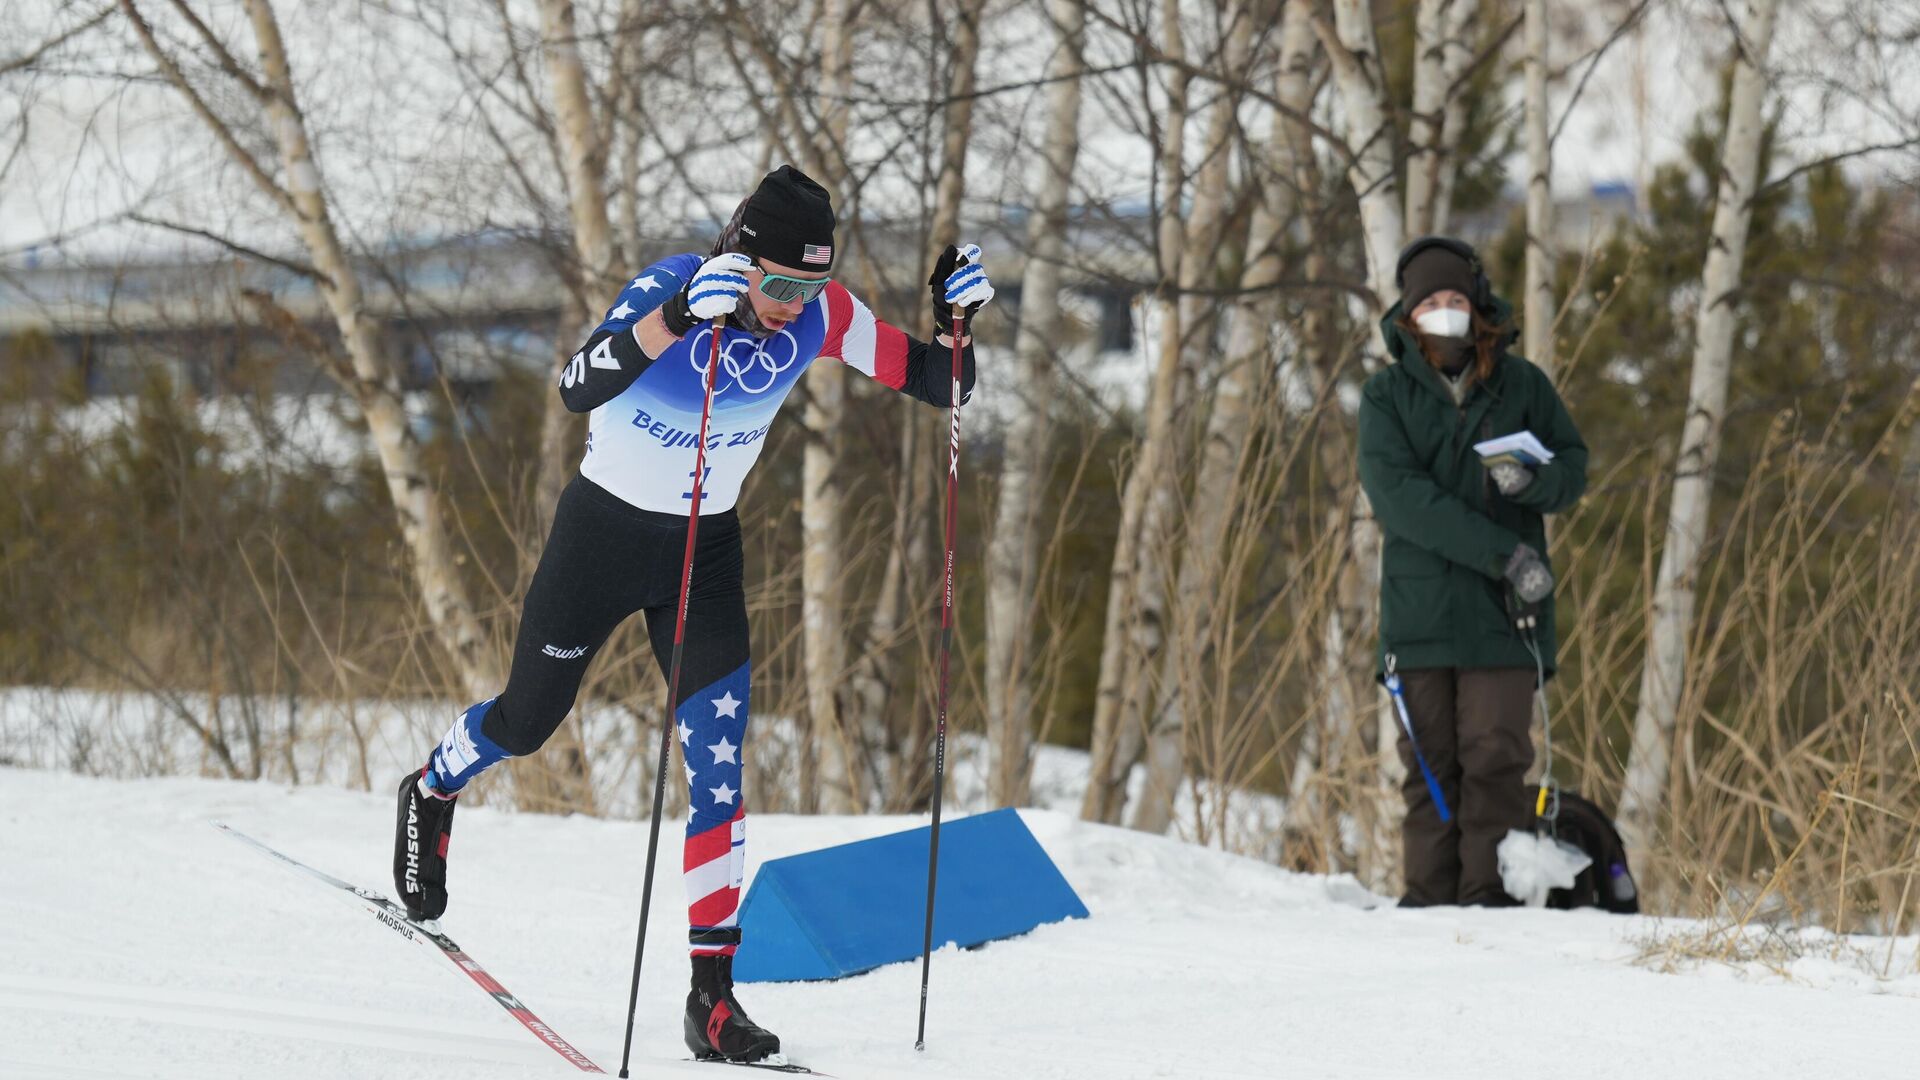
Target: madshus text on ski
[(694, 345)]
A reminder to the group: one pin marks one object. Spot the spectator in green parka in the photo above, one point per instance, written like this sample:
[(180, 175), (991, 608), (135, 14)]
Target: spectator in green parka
[(1464, 560)]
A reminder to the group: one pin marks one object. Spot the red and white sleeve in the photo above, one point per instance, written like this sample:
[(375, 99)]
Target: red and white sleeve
[(861, 341)]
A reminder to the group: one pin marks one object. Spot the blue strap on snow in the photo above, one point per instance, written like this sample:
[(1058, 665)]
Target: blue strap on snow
[(1406, 723)]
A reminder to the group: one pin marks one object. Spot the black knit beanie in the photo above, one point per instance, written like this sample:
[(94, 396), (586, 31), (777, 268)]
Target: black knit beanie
[(789, 220), (1431, 270)]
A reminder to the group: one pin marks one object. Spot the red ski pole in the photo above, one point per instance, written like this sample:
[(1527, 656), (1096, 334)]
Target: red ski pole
[(673, 689), (946, 653)]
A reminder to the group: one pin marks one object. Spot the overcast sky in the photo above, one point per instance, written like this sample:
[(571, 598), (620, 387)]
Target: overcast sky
[(405, 154)]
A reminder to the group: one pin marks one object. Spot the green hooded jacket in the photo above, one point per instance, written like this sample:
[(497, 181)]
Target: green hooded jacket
[(1448, 532)]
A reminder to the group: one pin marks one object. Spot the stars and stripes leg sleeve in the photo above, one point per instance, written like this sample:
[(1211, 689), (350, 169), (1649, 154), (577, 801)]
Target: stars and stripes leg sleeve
[(710, 722), (712, 727)]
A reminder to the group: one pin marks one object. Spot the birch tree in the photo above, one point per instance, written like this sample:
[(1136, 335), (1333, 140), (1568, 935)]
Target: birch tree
[(293, 186), (1013, 549), (1537, 318), (1442, 56), (848, 700), (823, 498), (1353, 51), (1115, 747), (1318, 753), (583, 155), (1229, 419), (1643, 791), (870, 680), (1442, 52)]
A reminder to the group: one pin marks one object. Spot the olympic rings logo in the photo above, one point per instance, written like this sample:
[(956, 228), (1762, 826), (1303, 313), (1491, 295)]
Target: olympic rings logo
[(743, 372)]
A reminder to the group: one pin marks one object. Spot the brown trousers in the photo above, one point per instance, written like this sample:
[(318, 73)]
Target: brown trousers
[(1474, 727)]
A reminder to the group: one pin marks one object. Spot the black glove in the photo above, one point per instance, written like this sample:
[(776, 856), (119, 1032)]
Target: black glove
[(957, 278), (1529, 583)]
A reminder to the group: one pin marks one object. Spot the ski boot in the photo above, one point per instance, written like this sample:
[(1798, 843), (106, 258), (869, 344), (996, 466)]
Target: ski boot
[(716, 1026), (420, 839)]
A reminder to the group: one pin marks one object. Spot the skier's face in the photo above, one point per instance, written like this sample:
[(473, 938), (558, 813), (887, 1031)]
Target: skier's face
[(776, 314)]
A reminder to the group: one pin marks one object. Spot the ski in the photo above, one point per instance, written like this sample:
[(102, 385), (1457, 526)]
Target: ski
[(784, 1067), (394, 917)]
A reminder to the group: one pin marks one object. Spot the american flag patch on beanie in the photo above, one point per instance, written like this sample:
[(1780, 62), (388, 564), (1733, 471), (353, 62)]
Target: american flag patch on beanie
[(816, 253)]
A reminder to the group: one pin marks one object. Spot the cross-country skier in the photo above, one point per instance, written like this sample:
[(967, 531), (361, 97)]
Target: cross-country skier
[(620, 530)]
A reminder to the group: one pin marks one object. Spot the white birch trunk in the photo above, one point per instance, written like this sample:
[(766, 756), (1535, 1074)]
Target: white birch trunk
[(583, 155), (1294, 85), (869, 682), (583, 161), (822, 508), (1441, 53), (1458, 55), (1354, 52), (1537, 318), (422, 518), (629, 108), (1117, 743), (1012, 552), (1643, 791), (1165, 726)]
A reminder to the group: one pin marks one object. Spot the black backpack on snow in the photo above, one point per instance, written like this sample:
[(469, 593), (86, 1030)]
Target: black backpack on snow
[(1607, 884)]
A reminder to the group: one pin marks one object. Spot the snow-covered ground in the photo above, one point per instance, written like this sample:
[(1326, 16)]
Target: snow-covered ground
[(136, 941)]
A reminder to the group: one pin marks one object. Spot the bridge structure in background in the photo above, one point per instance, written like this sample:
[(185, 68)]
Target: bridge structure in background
[(460, 308), (466, 310), (470, 309)]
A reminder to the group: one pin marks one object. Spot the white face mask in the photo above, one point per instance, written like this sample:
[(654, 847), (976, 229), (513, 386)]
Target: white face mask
[(1444, 322)]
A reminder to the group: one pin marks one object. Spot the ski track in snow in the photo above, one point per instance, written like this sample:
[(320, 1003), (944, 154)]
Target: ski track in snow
[(136, 941)]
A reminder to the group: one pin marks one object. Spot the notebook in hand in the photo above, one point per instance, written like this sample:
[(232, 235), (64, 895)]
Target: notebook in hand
[(1522, 448)]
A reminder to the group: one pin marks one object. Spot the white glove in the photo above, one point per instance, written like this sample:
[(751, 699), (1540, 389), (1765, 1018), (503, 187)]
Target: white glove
[(958, 280), (967, 286), (717, 286), (1510, 478)]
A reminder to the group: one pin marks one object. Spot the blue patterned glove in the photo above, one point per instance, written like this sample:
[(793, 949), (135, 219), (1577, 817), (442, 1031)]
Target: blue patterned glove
[(958, 279), (713, 293)]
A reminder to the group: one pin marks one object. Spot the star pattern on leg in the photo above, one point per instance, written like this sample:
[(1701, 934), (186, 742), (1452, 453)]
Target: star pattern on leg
[(724, 751), (723, 793), (690, 773), (686, 733), (727, 705)]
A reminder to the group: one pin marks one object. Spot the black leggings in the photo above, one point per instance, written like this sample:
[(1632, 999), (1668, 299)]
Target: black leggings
[(605, 560)]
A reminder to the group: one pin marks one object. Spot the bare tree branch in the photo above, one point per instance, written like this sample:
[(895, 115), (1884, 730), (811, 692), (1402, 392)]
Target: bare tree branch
[(221, 55), (27, 60), (1628, 24), (290, 265), (220, 128), (1802, 169)]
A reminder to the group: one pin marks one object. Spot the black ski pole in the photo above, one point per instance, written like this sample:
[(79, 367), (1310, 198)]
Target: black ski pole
[(673, 694), (946, 653)]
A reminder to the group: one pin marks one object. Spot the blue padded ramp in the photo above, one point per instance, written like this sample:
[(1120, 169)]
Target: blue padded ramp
[(847, 909)]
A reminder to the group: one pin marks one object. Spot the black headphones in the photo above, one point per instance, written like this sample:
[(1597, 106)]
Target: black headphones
[(1482, 296)]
